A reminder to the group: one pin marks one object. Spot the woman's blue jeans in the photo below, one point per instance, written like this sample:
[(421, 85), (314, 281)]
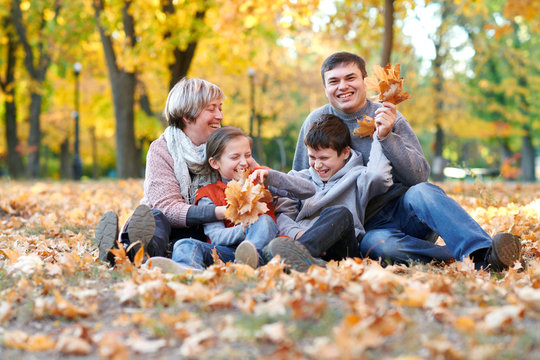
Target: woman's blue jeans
[(399, 232)]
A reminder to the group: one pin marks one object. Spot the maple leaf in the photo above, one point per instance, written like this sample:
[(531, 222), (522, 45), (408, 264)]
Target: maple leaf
[(387, 84), (245, 201), (366, 127)]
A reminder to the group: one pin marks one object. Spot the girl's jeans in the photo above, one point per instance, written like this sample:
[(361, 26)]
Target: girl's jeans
[(198, 254)]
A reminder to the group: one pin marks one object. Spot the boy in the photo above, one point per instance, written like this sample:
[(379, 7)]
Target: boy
[(329, 224)]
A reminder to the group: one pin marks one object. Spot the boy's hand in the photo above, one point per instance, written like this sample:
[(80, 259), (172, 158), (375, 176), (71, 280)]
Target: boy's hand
[(385, 117), (259, 176), (299, 234)]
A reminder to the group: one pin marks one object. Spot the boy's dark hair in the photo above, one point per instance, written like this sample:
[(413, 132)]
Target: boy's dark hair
[(328, 131), (342, 57)]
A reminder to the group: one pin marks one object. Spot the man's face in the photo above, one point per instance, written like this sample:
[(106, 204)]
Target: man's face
[(326, 162), (345, 88)]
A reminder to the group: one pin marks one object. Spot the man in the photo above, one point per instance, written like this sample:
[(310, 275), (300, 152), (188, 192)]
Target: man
[(402, 224)]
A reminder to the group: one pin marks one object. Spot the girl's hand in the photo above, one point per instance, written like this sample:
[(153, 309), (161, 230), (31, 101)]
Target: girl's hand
[(385, 117), (220, 212), (259, 176)]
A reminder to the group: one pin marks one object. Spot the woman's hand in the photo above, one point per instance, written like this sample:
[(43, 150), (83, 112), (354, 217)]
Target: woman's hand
[(220, 212), (259, 176)]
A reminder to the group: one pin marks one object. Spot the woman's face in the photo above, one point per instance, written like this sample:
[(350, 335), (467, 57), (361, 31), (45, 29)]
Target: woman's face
[(235, 158), (206, 123)]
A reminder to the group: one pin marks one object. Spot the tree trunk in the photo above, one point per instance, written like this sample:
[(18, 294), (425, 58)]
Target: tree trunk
[(183, 58), (34, 139), (439, 163), (65, 163), (504, 149), (37, 73), (528, 166), (14, 159), (123, 88), (388, 32)]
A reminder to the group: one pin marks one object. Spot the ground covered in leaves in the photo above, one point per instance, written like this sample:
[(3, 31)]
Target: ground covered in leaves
[(58, 301)]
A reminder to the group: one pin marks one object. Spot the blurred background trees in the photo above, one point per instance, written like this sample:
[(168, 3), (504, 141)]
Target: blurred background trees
[(470, 66)]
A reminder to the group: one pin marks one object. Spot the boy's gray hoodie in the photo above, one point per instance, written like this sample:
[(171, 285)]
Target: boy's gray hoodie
[(352, 186)]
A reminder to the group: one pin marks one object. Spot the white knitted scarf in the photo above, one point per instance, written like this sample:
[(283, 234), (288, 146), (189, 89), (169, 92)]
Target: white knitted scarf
[(189, 161)]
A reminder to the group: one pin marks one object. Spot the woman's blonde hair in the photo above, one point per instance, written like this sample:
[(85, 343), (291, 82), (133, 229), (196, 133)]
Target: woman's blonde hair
[(187, 99)]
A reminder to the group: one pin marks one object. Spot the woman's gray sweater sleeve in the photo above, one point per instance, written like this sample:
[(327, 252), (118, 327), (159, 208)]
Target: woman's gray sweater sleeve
[(201, 214)]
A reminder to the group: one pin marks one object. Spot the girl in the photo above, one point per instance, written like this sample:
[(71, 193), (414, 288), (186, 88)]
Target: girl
[(228, 152)]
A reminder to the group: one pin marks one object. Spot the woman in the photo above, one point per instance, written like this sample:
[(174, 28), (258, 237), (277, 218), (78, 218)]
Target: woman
[(174, 172)]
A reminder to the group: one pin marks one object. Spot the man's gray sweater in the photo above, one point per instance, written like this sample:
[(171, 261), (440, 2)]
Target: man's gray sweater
[(401, 146)]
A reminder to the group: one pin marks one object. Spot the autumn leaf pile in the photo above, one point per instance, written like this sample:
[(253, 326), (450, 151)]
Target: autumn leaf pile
[(56, 299), (389, 87), (245, 200)]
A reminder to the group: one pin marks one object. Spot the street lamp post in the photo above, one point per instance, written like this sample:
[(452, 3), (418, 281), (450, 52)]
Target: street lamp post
[(251, 73), (77, 163)]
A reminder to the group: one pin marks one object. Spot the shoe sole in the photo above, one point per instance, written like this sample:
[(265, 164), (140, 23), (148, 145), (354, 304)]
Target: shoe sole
[(141, 227), (507, 248), (293, 253), (246, 253), (106, 233)]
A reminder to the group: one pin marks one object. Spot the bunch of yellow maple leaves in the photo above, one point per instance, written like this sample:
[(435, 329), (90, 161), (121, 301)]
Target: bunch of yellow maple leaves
[(246, 201), (389, 87)]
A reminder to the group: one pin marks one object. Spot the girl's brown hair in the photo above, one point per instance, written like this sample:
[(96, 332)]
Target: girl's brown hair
[(215, 145)]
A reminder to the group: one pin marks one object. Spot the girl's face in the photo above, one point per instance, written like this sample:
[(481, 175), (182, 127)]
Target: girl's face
[(208, 121), (235, 158)]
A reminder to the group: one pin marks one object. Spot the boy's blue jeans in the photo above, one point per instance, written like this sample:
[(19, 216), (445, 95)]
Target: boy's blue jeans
[(198, 254), (332, 235), (398, 233)]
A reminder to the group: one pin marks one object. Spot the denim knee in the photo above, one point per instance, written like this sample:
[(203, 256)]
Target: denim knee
[(376, 245), (423, 192), (338, 211), (188, 252), (267, 221)]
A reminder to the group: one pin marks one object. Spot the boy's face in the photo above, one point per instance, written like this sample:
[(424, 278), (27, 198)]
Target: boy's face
[(326, 162)]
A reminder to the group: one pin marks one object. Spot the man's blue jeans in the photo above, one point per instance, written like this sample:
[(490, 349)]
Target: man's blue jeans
[(198, 254), (398, 233)]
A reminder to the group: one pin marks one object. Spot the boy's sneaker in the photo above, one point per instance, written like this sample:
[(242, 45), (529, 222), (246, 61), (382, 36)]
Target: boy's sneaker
[(141, 228), (246, 253), (168, 265), (504, 252), (293, 253), (106, 235)]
